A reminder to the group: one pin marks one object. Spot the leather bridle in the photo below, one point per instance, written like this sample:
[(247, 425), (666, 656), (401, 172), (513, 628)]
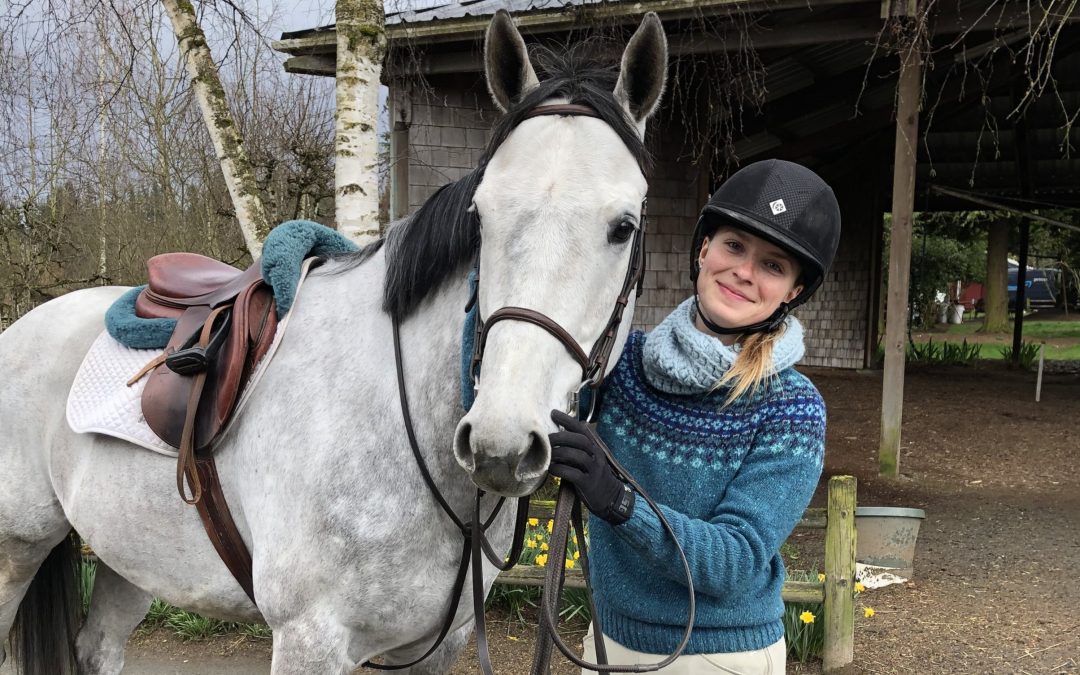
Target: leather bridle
[(594, 364), (593, 369)]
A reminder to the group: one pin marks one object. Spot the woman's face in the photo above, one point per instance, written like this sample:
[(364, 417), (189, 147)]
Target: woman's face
[(743, 278)]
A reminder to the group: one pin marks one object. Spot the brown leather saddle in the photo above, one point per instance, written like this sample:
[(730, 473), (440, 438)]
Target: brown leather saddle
[(226, 322), (191, 289)]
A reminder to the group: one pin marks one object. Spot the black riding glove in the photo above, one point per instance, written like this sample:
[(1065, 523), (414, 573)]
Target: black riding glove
[(578, 456)]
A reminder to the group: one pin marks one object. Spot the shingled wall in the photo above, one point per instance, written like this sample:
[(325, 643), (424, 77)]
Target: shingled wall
[(450, 128)]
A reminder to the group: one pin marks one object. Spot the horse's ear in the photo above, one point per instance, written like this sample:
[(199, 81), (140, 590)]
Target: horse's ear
[(644, 70), (509, 72)]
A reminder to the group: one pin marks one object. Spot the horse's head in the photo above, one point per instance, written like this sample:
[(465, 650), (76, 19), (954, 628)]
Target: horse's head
[(560, 207)]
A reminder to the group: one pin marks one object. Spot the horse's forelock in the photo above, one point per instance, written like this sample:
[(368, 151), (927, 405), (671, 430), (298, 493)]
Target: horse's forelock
[(444, 233), (580, 81)]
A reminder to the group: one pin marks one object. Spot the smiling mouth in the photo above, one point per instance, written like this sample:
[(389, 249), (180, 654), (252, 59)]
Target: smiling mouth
[(732, 294)]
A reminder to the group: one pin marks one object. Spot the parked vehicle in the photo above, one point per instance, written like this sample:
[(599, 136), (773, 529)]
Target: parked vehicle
[(1040, 286)]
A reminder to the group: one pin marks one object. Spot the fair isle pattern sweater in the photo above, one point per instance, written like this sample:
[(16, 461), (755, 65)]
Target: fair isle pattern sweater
[(733, 482)]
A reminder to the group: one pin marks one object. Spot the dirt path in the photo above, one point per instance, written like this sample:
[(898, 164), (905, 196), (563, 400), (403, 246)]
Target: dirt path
[(998, 556)]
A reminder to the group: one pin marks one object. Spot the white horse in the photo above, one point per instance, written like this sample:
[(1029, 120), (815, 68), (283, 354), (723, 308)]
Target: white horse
[(352, 556)]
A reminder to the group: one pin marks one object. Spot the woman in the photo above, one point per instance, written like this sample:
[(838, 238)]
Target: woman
[(707, 413)]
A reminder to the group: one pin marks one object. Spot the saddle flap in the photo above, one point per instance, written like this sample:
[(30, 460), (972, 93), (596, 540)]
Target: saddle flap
[(165, 398)]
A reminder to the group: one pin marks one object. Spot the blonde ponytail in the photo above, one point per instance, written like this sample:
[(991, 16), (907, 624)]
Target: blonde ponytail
[(753, 367)]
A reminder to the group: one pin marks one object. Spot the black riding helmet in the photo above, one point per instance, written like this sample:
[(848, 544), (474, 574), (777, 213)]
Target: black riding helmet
[(786, 204)]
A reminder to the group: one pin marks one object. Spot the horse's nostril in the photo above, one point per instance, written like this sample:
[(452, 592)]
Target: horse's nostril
[(463, 448), (535, 460)]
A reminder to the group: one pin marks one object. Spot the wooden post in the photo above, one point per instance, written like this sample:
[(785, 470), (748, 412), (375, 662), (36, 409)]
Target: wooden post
[(908, 91), (840, 536), (1023, 165), (401, 118)]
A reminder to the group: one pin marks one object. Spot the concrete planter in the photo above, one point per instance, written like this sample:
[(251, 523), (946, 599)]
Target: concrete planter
[(887, 536)]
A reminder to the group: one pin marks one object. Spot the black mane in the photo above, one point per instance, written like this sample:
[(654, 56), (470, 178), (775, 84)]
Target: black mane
[(444, 234)]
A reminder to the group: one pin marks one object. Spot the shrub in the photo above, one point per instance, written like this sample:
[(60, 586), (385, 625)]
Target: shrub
[(87, 574), (1029, 354)]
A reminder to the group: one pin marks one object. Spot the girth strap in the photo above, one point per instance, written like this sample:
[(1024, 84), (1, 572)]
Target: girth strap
[(220, 527), (200, 473)]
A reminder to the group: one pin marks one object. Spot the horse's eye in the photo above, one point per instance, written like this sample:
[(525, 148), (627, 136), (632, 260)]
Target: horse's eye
[(621, 231)]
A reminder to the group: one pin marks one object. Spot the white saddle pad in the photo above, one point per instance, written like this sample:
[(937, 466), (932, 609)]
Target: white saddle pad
[(101, 402)]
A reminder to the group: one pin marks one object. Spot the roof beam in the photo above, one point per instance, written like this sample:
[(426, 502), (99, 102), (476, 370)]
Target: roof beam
[(996, 205), (948, 22)]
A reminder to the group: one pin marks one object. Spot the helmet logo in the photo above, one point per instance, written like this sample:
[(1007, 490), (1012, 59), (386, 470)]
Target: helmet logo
[(777, 207)]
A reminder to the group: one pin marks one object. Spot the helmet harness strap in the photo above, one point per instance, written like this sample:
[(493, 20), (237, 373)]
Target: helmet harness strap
[(766, 326)]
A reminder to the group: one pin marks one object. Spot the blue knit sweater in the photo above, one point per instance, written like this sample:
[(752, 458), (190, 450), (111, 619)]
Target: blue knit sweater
[(732, 481)]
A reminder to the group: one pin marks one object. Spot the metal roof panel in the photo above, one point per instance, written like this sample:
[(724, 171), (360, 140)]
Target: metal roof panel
[(414, 11)]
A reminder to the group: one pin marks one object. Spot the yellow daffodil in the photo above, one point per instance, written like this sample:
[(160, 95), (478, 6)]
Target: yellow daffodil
[(807, 617), (868, 612), (550, 526), (530, 544), (534, 522), (541, 559), (577, 554), (821, 578), (569, 564), (544, 546), (859, 588)]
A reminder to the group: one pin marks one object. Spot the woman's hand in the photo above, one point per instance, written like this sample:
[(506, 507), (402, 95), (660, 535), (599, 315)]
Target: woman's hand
[(579, 456)]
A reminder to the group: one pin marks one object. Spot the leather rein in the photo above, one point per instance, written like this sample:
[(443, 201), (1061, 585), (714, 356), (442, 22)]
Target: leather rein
[(476, 545)]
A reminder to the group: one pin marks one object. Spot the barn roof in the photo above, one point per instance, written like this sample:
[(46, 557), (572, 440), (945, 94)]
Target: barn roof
[(829, 88)]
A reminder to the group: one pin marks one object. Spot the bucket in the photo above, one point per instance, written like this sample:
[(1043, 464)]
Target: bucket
[(956, 313), (887, 536)]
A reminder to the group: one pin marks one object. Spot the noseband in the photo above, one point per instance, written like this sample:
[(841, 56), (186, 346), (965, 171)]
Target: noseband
[(594, 364)]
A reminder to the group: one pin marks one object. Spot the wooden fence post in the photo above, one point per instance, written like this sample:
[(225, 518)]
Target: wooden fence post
[(840, 574)]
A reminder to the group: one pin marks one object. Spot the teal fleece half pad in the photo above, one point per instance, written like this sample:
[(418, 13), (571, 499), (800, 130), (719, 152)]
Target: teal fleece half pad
[(284, 252)]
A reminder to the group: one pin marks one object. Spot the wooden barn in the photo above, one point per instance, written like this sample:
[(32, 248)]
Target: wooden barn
[(900, 105)]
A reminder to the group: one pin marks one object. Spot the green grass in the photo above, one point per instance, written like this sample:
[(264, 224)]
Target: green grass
[(516, 600), (997, 352), (87, 573), (191, 627), (1035, 331), (186, 625)]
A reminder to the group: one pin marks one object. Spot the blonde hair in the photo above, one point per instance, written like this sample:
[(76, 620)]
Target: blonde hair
[(753, 367)]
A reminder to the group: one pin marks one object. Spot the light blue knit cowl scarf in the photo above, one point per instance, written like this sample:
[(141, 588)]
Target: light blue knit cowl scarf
[(680, 359)]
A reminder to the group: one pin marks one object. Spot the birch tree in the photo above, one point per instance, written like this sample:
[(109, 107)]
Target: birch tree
[(210, 94), (361, 44)]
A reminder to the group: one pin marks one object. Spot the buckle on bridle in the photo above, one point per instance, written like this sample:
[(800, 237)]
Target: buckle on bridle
[(574, 402)]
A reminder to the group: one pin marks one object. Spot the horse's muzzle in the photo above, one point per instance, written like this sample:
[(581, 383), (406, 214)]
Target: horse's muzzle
[(503, 463)]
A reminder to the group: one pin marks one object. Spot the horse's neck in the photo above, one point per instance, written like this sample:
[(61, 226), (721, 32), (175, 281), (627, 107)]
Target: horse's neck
[(431, 353)]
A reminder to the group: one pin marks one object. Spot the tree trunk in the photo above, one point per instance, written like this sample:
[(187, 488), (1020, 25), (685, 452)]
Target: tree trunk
[(996, 293), (215, 110), (361, 43), (103, 241)]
